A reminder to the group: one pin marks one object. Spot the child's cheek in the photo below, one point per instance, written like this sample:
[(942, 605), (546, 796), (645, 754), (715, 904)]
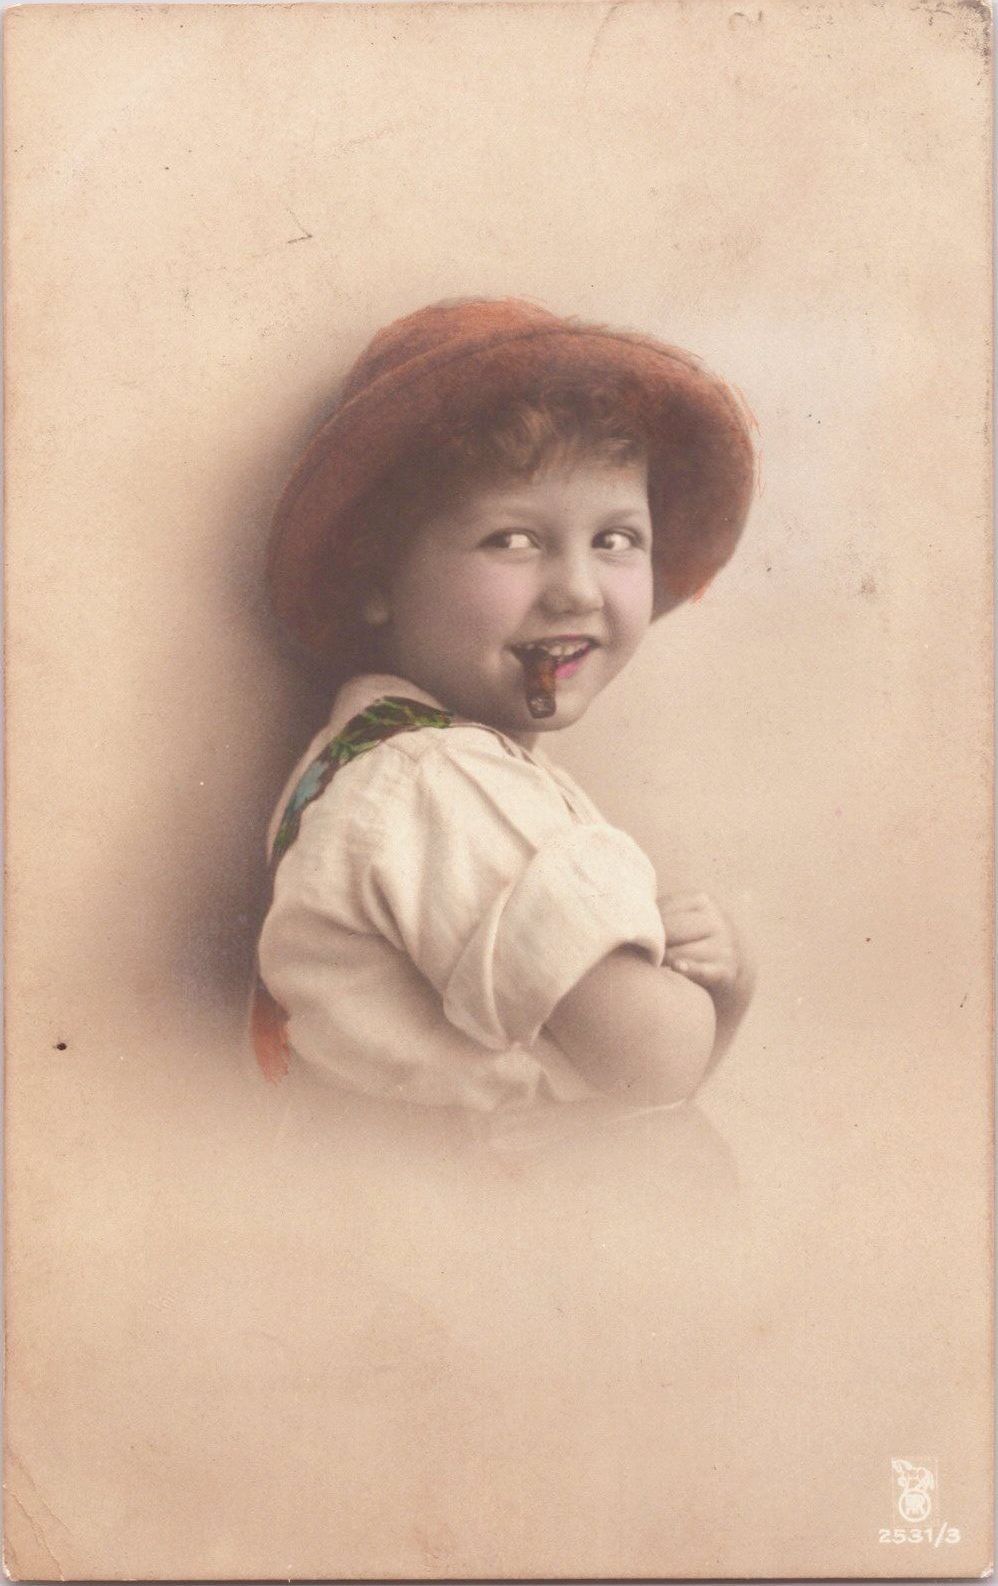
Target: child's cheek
[(635, 595), (495, 599)]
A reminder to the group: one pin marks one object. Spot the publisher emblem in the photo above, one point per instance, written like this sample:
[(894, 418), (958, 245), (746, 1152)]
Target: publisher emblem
[(915, 1483)]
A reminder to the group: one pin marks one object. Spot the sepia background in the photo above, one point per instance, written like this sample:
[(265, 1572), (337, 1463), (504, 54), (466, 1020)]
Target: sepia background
[(237, 1346)]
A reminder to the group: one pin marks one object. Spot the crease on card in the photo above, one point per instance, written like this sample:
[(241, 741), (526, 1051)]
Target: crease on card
[(39, 1518)]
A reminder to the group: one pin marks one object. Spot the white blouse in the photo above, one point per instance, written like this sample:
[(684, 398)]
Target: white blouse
[(443, 894)]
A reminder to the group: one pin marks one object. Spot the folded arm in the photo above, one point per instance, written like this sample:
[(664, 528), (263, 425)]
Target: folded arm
[(633, 1029), (656, 1033)]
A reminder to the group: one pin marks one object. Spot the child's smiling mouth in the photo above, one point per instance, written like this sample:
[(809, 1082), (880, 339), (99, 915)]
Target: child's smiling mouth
[(566, 651), (545, 662)]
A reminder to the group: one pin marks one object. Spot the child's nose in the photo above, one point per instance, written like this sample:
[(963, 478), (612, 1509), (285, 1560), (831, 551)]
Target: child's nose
[(573, 585)]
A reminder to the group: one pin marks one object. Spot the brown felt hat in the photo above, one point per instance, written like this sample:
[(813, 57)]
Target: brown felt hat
[(429, 374)]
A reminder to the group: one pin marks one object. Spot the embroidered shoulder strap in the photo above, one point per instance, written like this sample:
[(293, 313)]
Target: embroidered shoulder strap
[(366, 730), (379, 722)]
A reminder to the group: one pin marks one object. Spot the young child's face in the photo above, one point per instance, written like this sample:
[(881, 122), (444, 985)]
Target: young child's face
[(563, 558)]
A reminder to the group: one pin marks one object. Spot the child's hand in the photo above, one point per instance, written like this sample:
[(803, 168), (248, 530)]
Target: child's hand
[(701, 942)]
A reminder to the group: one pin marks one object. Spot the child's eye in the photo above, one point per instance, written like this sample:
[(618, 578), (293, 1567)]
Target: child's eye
[(618, 539), (509, 540)]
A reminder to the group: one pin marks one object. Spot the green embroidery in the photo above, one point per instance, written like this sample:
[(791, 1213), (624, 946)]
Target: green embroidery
[(366, 730)]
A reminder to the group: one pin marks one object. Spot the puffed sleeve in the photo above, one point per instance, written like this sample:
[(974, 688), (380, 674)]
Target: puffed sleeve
[(500, 895)]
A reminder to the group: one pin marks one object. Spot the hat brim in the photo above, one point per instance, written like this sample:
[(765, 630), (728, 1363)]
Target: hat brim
[(698, 432)]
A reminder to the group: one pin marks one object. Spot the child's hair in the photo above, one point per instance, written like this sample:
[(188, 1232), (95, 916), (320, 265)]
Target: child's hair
[(548, 428)]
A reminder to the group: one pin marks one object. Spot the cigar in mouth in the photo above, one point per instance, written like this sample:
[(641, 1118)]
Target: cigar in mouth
[(539, 668)]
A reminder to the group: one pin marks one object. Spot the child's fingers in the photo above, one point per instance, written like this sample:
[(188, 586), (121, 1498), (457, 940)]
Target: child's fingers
[(704, 951), (685, 956), (708, 975), (682, 935), (690, 928), (689, 956), (700, 908)]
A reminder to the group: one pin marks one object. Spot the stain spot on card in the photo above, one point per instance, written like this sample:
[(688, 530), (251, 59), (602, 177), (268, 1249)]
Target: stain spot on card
[(970, 20), (436, 1544)]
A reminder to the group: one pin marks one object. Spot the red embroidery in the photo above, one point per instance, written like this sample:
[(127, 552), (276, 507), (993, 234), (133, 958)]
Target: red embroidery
[(268, 1021)]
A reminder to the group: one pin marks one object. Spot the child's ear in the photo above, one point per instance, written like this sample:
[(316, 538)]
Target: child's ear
[(376, 610)]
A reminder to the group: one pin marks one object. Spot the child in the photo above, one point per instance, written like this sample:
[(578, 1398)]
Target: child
[(475, 543)]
